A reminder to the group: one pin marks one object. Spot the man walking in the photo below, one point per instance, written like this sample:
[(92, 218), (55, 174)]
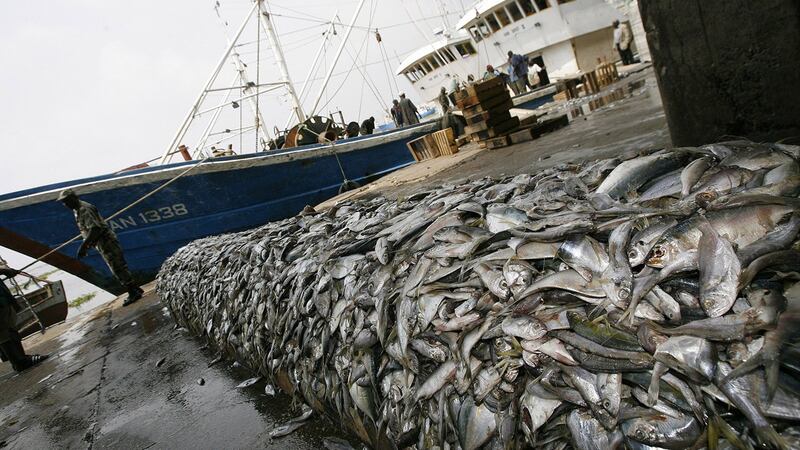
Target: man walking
[(622, 41), (518, 71), (408, 110), (10, 341), (96, 233)]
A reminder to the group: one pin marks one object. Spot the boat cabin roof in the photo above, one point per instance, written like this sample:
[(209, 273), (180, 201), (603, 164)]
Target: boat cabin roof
[(425, 51), (503, 12)]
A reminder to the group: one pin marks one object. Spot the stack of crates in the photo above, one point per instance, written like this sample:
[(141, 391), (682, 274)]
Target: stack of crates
[(486, 108)]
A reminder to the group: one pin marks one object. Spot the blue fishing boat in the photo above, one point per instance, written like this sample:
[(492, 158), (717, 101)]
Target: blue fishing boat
[(220, 195), (155, 210)]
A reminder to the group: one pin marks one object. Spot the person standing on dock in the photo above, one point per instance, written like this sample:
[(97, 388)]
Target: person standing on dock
[(518, 72), (622, 42), (10, 341), (444, 101), (96, 233), (409, 111)]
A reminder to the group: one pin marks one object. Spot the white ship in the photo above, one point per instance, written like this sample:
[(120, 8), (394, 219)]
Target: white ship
[(565, 37)]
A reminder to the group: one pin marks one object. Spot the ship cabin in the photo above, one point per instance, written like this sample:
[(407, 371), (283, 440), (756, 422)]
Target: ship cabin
[(563, 36), (433, 66)]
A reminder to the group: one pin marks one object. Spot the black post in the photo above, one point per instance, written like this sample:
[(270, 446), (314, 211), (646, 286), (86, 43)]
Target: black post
[(726, 67)]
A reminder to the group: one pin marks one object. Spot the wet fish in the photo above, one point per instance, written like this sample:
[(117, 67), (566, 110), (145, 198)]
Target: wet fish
[(587, 305)]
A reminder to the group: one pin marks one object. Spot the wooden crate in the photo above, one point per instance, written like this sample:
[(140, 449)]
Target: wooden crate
[(493, 104), (497, 130), (524, 135), (529, 121), (482, 97), (494, 116), (497, 142), (549, 125), (445, 142), (423, 148), (480, 87)]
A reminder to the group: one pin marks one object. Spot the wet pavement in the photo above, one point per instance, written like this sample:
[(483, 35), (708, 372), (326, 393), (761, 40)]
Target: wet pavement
[(101, 388)]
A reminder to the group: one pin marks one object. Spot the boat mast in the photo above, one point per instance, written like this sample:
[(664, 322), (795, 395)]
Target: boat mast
[(336, 58), (266, 23), (185, 125)]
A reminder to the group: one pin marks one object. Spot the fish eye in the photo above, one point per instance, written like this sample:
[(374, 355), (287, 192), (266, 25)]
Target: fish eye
[(624, 293), (658, 252)]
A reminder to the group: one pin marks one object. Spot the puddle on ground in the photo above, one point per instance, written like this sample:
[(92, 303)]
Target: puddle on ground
[(583, 106)]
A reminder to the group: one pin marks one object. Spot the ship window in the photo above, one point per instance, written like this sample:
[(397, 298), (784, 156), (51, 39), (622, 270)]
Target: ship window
[(476, 34), (448, 55), (560, 2), (527, 7), (542, 4), (426, 66), (434, 62), (484, 29), (465, 49), (502, 17), (421, 70), (493, 24), (513, 10), (409, 77)]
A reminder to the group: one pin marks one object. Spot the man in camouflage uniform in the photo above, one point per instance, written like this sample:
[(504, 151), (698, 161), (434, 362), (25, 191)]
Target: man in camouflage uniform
[(10, 341), (96, 233)]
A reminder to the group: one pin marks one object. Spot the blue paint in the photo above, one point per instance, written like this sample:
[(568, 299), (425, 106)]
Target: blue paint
[(205, 203), (536, 102)]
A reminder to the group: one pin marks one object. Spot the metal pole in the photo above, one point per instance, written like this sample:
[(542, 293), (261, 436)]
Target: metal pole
[(266, 23), (198, 148), (314, 64), (252, 100), (185, 125), (336, 58)]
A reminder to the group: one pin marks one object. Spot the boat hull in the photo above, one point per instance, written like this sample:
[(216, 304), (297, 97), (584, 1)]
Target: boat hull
[(219, 196)]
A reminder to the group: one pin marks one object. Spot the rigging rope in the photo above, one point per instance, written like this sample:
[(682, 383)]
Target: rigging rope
[(258, 78)]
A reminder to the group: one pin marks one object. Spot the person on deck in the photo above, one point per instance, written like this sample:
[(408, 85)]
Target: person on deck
[(622, 42), (96, 233), (444, 101), (397, 115), (534, 80), (10, 341), (490, 73), (518, 72), (367, 126), (409, 111)]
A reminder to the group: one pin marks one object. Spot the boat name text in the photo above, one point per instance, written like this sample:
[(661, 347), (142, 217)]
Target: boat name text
[(148, 216)]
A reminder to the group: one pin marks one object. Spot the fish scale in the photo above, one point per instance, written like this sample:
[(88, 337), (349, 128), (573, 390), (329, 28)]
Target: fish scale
[(478, 315)]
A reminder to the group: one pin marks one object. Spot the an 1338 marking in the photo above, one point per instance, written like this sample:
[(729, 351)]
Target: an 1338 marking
[(149, 216)]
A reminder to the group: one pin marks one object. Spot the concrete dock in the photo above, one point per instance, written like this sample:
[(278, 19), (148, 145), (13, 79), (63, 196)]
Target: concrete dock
[(102, 387)]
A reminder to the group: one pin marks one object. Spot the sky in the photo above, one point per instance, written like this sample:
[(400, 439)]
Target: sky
[(93, 86)]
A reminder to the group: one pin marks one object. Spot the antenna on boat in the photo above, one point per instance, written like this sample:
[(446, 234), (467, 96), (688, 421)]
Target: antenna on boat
[(336, 58), (266, 23)]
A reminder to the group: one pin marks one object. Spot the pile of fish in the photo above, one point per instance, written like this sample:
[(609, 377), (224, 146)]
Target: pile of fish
[(645, 301)]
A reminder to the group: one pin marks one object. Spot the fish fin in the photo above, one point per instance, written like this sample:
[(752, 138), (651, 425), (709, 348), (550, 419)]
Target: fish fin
[(729, 433), (769, 438), (654, 389)]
